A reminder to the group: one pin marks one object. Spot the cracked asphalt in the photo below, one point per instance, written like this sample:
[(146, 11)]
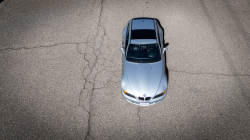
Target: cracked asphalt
[(60, 70)]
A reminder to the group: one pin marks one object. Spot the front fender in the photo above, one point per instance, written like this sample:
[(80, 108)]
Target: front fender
[(163, 85), (125, 84)]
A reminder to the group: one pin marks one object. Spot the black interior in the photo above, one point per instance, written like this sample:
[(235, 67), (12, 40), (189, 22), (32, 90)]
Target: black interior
[(149, 52)]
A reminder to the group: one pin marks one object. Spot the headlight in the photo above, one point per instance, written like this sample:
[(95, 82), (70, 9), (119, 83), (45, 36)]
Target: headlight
[(128, 94), (159, 95)]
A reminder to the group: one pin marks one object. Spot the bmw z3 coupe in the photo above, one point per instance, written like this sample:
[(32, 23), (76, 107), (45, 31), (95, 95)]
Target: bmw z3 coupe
[(144, 81)]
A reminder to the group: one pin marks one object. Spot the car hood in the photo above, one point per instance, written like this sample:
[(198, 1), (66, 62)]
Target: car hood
[(144, 78)]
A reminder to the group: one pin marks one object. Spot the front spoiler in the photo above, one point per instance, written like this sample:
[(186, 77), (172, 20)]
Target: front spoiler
[(138, 103)]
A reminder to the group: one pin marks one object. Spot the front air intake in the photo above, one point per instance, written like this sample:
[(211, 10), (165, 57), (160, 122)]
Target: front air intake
[(141, 98)]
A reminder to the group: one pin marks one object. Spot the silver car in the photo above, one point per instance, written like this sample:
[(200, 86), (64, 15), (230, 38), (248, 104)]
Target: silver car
[(144, 81)]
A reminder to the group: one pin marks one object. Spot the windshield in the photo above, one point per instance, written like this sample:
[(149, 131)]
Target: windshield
[(143, 53)]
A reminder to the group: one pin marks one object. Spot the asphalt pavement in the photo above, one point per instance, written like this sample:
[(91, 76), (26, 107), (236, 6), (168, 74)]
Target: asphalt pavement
[(61, 66)]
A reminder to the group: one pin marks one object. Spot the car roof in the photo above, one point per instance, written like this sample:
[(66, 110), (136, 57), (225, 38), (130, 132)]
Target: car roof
[(143, 23), (142, 28)]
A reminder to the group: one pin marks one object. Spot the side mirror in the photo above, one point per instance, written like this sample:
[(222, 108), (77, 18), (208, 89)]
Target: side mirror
[(164, 49), (166, 45), (122, 49)]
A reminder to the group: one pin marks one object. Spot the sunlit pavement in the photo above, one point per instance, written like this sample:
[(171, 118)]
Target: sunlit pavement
[(60, 70)]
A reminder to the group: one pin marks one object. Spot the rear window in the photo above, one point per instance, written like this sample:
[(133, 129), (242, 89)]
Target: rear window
[(143, 34)]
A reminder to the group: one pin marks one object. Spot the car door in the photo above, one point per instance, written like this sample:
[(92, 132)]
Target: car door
[(161, 41), (125, 35)]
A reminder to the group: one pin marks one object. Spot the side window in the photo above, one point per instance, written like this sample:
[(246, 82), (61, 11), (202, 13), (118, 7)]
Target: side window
[(127, 36), (159, 37)]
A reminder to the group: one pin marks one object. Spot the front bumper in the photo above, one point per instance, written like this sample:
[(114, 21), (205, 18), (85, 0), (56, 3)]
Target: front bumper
[(136, 101)]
